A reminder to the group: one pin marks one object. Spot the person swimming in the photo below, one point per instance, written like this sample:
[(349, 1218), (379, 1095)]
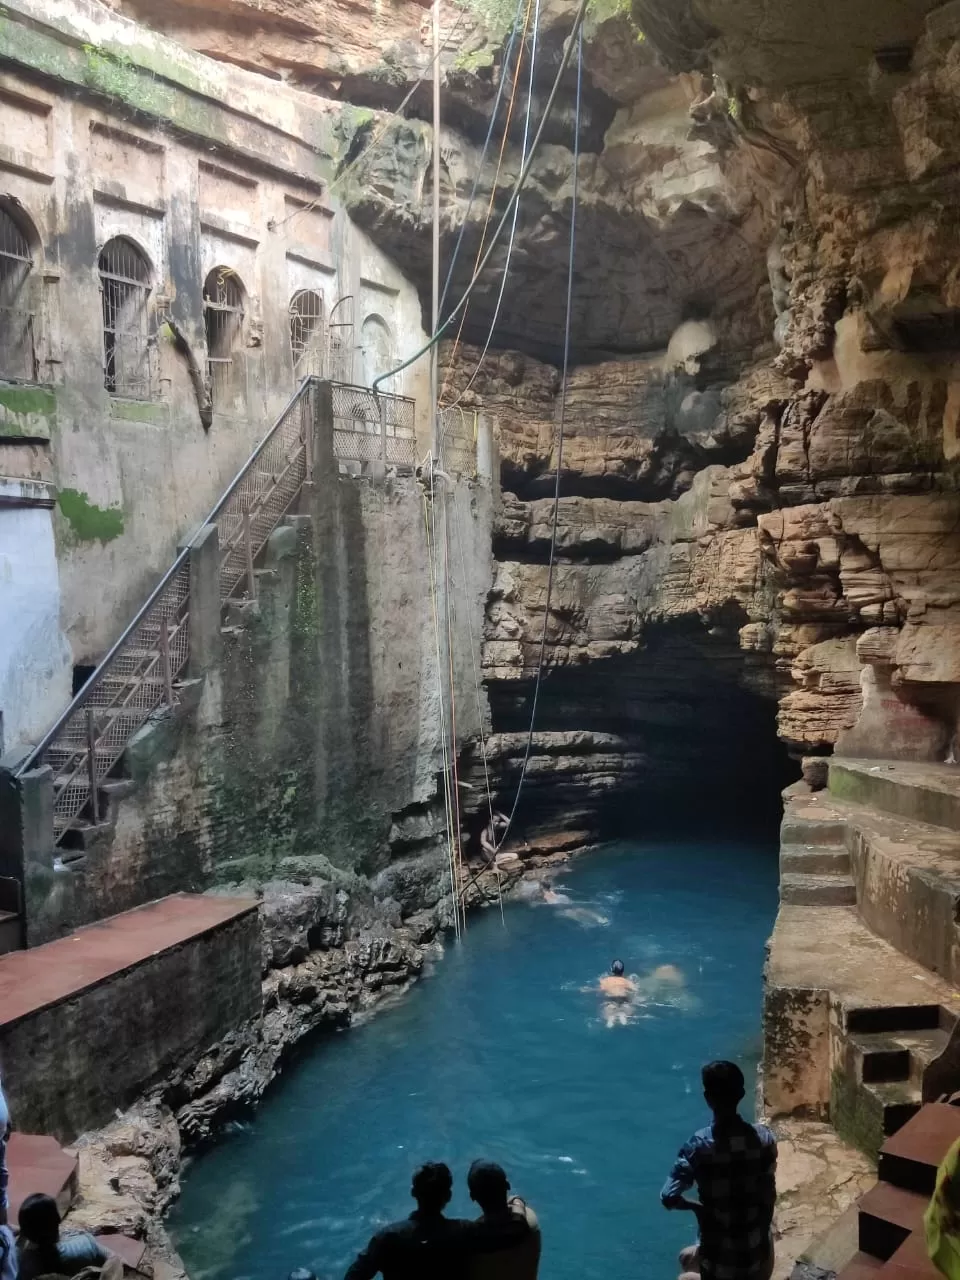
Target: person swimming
[(620, 995)]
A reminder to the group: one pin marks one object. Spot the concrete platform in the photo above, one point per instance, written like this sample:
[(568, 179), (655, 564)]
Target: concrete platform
[(919, 792), (39, 1163), (829, 982), (90, 1021), (44, 976)]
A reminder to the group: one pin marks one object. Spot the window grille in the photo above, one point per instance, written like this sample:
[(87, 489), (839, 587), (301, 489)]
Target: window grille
[(223, 322), (342, 340), (306, 333), (18, 360), (125, 292)]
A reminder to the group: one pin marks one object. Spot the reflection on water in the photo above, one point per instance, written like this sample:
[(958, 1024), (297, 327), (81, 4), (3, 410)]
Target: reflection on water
[(505, 1052)]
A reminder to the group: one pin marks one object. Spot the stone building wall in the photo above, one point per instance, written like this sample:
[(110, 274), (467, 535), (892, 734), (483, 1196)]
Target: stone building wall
[(114, 136), (310, 742)]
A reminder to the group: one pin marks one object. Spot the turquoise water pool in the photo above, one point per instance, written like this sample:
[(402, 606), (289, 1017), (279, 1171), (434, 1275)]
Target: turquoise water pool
[(501, 1053)]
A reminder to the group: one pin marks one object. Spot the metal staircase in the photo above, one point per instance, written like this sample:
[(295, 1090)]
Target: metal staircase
[(139, 674)]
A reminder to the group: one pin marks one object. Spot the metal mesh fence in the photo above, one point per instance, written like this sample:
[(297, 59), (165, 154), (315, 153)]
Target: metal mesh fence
[(368, 427), (458, 443), (119, 699), (137, 677)]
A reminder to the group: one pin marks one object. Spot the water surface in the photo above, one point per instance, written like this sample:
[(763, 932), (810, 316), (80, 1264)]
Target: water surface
[(501, 1053)]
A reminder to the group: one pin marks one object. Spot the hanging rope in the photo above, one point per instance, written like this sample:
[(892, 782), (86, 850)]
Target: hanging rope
[(513, 227), (514, 195), (493, 193), (504, 74), (563, 407)]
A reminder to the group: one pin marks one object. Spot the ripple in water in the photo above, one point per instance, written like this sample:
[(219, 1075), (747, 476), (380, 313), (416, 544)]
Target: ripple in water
[(501, 1053)]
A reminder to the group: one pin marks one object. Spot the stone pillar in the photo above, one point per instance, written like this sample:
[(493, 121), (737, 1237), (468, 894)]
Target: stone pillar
[(488, 461), (205, 607), (324, 463), (26, 840)]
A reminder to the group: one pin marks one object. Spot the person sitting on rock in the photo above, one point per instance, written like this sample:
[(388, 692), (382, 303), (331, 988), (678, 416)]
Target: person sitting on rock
[(733, 1164), (421, 1247), (4, 1137), (44, 1251), (507, 1259)]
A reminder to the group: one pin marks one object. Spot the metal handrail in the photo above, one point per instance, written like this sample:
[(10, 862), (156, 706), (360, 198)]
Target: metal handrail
[(91, 684)]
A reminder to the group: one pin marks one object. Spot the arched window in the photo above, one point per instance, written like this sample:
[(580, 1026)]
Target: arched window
[(18, 354), (223, 295), (376, 342), (125, 293), (306, 333)]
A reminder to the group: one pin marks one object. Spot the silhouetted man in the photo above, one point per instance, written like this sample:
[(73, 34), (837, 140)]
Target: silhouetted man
[(733, 1164), (424, 1246), (509, 1239)]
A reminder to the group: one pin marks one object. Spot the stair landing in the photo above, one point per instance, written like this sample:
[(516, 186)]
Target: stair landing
[(918, 791), (48, 975)]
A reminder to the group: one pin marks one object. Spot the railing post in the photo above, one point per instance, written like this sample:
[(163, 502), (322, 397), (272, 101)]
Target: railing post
[(165, 660), (92, 764), (206, 640), (248, 553), (324, 463), (381, 405), (27, 846)]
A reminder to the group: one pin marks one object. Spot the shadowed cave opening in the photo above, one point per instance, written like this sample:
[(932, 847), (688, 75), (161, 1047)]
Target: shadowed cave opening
[(679, 736)]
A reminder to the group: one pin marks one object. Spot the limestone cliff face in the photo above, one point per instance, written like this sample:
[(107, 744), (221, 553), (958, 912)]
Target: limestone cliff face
[(760, 509)]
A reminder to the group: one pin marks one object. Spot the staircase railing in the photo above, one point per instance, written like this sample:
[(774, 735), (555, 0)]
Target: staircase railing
[(138, 674)]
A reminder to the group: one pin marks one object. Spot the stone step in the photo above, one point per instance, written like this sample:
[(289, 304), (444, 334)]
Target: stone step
[(862, 1266), (887, 1216), (888, 1057), (799, 889), (918, 792), (808, 828), (895, 1018), (814, 859), (911, 1261), (910, 1157), (866, 1114)]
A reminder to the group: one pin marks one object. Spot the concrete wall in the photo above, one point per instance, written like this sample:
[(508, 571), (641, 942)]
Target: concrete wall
[(316, 738), (110, 131), (69, 1066), (34, 655)]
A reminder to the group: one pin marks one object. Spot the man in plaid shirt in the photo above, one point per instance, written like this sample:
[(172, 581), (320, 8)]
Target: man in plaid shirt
[(733, 1165)]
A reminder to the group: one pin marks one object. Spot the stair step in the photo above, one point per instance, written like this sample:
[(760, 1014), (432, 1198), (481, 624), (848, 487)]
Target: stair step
[(828, 831), (900, 1100), (911, 1261), (813, 859), (918, 792), (879, 1059), (799, 889), (887, 1215), (862, 1266), (909, 1159), (878, 1019)]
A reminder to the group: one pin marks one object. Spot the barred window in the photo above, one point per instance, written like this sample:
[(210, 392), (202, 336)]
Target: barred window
[(306, 333), (18, 354), (125, 293), (223, 311)]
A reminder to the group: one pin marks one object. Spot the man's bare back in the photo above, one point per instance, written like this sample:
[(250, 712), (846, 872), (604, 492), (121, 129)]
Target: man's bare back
[(617, 987)]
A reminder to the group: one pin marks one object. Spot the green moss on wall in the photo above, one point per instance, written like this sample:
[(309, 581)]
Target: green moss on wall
[(27, 413), (88, 522)]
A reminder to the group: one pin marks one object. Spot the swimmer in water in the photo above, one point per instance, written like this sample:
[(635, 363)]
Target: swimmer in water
[(585, 916), (620, 995), (551, 897)]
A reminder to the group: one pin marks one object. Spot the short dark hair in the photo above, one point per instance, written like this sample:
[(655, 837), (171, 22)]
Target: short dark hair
[(40, 1219), (723, 1082), (432, 1186), (488, 1184), (617, 968)]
